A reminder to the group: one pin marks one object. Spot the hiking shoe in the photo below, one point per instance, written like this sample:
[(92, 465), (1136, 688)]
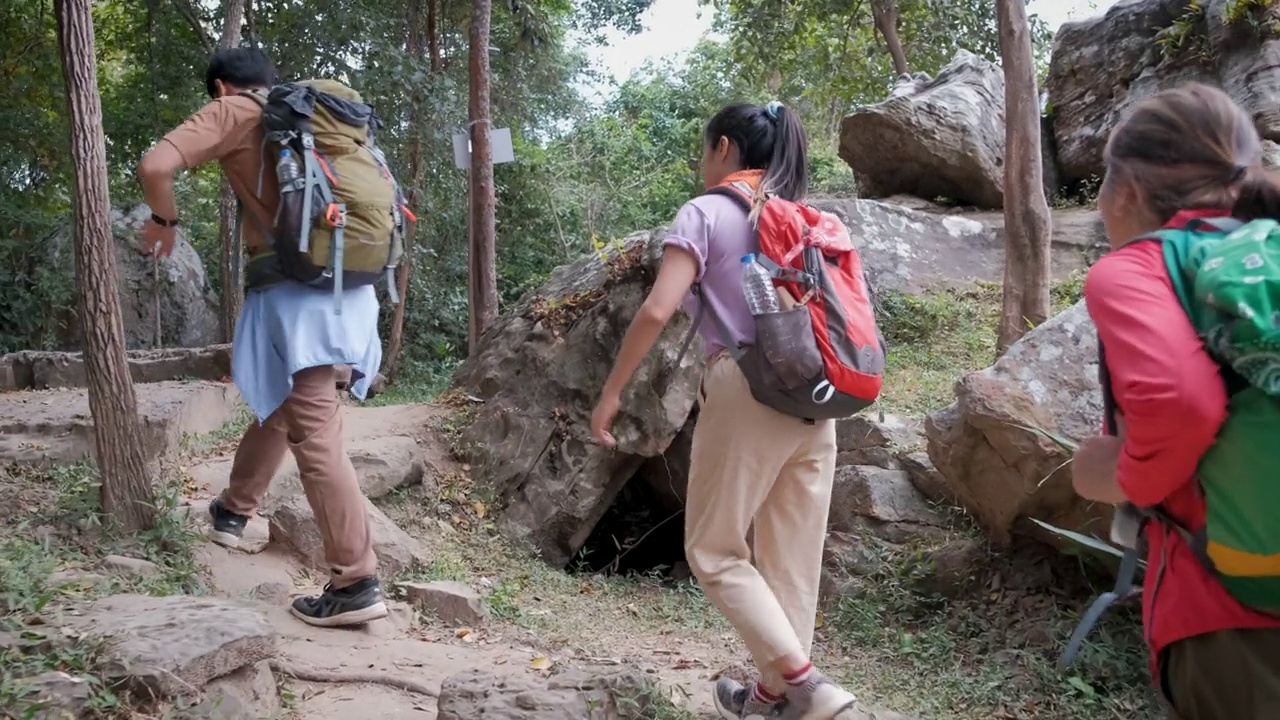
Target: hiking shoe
[(354, 605), (817, 699), (734, 702), (228, 527)]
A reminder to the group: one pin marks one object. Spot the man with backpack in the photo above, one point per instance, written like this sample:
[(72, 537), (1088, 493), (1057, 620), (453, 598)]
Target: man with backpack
[(321, 220)]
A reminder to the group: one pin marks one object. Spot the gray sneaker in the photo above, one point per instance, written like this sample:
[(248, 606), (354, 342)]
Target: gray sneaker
[(734, 701), (817, 699)]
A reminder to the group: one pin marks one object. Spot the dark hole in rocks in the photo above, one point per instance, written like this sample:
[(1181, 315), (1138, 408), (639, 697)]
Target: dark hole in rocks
[(638, 535)]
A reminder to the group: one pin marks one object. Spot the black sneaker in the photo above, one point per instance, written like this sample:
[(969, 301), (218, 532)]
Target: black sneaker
[(228, 527), (354, 605)]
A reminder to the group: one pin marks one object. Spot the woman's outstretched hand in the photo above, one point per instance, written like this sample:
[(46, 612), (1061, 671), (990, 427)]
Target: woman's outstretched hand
[(602, 420)]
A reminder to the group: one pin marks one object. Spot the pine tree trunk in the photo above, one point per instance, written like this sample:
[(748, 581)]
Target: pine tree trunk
[(483, 283), (229, 240), (1027, 224), (127, 497)]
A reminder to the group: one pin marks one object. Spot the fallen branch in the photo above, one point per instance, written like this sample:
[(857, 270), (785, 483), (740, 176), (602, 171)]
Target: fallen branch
[(326, 676)]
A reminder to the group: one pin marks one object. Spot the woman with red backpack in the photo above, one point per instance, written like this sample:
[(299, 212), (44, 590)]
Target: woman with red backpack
[(1184, 160), (750, 462)]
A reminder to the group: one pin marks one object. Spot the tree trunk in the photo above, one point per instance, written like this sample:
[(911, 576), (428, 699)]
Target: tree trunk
[(127, 497), (229, 239), (1027, 225), (885, 15), (483, 284), (414, 46)]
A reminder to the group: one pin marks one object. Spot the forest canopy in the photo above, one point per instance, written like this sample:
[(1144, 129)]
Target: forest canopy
[(587, 171)]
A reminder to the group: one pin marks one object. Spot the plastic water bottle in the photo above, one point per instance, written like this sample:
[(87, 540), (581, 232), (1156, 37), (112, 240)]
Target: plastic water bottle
[(758, 287), (287, 169), (289, 214)]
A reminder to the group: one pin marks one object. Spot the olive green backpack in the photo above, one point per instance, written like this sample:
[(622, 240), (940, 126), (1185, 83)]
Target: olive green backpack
[(346, 226)]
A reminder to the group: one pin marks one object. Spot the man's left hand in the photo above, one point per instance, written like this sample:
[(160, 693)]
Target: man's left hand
[(157, 239)]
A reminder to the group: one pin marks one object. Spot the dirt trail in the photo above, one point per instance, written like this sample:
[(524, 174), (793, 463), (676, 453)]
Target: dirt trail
[(410, 646)]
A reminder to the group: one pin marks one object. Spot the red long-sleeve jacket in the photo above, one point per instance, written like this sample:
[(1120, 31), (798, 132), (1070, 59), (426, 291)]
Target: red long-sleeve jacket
[(1173, 401)]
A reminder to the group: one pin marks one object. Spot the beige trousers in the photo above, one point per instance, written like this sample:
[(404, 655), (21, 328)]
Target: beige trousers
[(310, 425), (752, 462)]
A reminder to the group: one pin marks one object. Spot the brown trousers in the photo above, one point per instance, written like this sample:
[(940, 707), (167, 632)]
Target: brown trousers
[(750, 462), (1226, 675), (309, 424)]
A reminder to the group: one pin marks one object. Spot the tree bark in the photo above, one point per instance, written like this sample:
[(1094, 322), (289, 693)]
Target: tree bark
[(414, 46), (229, 240), (127, 497), (885, 15), (483, 283), (1027, 224)]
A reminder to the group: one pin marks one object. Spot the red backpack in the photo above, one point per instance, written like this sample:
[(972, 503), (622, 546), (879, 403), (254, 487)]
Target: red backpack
[(820, 357)]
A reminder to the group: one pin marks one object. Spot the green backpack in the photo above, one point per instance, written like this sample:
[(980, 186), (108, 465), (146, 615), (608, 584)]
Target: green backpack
[(1227, 277), (341, 224)]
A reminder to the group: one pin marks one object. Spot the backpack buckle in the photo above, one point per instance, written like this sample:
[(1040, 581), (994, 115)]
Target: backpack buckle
[(335, 215)]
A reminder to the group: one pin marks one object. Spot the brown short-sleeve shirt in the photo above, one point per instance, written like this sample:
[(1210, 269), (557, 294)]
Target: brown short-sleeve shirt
[(229, 130)]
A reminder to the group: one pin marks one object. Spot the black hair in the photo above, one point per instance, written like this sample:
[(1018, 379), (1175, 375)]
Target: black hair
[(770, 138), (245, 68)]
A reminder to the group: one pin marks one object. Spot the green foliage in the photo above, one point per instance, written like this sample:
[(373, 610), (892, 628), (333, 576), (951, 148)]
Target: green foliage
[(584, 174), (826, 56)]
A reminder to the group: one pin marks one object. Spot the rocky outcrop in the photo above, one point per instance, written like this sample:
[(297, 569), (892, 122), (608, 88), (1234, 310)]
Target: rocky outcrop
[(989, 447), (1101, 66), (474, 694), (188, 309), (933, 138), (911, 251), (37, 370), (55, 426), (539, 370)]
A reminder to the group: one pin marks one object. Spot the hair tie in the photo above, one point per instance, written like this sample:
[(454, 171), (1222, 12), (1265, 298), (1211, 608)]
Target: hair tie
[(772, 109)]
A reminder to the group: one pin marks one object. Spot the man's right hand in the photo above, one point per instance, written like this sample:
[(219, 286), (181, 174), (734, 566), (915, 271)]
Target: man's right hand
[(157, 239)]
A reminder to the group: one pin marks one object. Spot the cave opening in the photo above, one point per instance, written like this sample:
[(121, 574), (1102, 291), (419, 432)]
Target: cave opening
[(642, 533)]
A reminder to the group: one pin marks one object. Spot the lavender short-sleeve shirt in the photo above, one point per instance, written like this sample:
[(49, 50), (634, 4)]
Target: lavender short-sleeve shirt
[(714, 229)]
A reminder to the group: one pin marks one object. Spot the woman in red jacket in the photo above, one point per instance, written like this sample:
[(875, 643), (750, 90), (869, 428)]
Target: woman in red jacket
[(1181, 154)]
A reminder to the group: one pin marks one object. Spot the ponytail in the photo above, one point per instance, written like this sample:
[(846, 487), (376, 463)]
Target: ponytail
[(788, 173), (1259, 195), (769, 138)]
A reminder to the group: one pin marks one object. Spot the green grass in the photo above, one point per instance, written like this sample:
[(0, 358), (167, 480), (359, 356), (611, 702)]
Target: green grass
[(51, 525), (935, 338), (991, 651)]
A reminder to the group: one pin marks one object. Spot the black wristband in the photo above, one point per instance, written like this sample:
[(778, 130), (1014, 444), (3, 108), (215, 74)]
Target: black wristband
[(162, 222)]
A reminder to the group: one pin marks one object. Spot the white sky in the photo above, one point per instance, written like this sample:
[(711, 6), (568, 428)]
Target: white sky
[(673, 27)]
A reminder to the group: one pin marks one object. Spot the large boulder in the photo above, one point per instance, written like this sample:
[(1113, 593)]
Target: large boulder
[(989, 445), (539, 371), (933, 138), (188, 309), (1101, 66)]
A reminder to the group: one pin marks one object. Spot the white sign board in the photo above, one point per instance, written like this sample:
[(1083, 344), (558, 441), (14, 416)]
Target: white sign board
[(499, 142)]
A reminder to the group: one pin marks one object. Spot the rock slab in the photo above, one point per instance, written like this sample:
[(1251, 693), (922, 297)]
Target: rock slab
[(173, 646), (293, 524), (477, 694), (454, 603), (988, 445), (933, 138), (55, 426)]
